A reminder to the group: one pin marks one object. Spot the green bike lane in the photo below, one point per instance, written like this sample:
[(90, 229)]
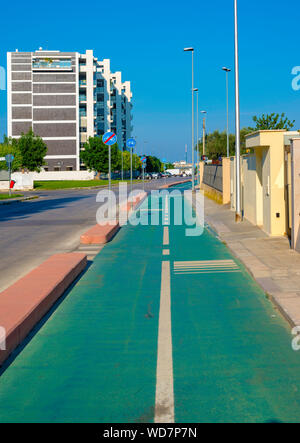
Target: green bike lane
[(95, 359), (232, 354)]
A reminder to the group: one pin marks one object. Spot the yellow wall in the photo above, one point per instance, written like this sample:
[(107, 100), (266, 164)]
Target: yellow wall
[(264, 182), (249, 187)]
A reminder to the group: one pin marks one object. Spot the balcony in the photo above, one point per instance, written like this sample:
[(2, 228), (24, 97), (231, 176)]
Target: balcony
[(49, 65), (82, 113), (82, 98), (82, 83)]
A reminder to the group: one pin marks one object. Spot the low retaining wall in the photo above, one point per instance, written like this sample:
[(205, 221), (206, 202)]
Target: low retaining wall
[(213, 176), (212, 193), (215, 181), (24, 303), (23, 182), (63, 175)]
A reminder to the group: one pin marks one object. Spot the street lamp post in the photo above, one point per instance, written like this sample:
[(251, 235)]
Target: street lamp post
[(193, 166), (204, 130), (238, 216), (197, 147), (227, 70)]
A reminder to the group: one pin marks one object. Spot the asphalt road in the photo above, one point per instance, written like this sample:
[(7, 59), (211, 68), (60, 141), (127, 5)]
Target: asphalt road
[(33, 230)]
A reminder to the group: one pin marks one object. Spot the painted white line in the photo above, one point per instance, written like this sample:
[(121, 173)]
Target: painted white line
[(225, 271), (166, 239), (202, 261), (166, 252), (164, 396)]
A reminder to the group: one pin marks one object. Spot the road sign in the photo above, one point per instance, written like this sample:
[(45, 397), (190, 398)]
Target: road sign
[(131, 143), (164, 160), (109, 138), (9, 158), (144, 159)]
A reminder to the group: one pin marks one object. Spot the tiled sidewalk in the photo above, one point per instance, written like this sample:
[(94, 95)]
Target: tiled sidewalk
[(269, 259)]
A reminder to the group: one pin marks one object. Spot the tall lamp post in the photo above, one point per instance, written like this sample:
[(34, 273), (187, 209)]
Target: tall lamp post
[(238, 215), (197, 156), (193, 162), (227, 70), (204, 130)]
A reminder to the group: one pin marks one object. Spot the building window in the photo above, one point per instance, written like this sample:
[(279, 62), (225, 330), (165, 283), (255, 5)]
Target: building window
[(69, 168), (56, 168)]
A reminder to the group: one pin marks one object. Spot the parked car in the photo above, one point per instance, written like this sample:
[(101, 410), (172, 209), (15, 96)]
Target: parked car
[(155, 175)]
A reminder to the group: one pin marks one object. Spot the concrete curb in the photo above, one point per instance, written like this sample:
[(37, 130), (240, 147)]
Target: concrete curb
[(18, 200), (24, 303), (101, 234), (169, 185)]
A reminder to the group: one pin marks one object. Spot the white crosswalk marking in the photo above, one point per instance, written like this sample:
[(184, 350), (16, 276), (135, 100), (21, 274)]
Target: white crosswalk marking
[(205, 266)]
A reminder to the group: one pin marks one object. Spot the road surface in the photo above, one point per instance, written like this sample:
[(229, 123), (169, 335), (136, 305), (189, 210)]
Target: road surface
[(33, 230), (162, 327)]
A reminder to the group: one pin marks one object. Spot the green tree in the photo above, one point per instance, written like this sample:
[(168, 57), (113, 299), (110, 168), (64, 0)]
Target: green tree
[(126, 160), (272, 121), (216, 144), (169, 166), (136, 161), (153, 164), (95, 155), (33, 150), (10, 146)]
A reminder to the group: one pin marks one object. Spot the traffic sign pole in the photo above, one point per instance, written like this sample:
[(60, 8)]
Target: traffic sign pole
[(109, 139), (122, 167), (109, 168), (9, 159), (131, 144), (131, 172), (9, 179)]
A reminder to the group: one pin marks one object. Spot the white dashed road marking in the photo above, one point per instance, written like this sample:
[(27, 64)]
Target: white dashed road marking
[(164, 396)]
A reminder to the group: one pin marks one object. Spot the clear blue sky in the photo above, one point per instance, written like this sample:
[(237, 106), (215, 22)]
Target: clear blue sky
[(145, 41)]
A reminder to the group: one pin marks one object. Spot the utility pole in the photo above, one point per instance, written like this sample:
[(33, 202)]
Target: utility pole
[(193, 141), (204, 130), (238, 215), (227, 70)]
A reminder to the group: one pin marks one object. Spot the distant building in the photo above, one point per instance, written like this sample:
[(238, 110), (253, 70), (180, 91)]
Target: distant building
[(66, 97), (182, 166)]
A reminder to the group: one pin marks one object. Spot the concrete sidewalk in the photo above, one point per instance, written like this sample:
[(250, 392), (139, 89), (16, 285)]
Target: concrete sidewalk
[(270, 260)]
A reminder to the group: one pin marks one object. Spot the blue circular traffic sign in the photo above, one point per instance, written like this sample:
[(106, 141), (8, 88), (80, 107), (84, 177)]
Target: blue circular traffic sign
[(9, 158), (109, 138), (131, 143)]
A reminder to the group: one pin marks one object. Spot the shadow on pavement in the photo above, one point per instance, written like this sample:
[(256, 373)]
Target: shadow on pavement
[(23, 210)]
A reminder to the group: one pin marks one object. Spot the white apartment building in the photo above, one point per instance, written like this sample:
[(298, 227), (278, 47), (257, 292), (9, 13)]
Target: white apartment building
[(66, 97)]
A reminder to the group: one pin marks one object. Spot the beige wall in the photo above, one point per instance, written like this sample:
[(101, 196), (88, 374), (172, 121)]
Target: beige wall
[(263, 175), (226, 180), (249, 178), (295, 194)]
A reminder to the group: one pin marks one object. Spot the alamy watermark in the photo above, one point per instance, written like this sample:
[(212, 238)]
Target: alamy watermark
[(2, 338), (161, 207), (296, 79), (2, 79)]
